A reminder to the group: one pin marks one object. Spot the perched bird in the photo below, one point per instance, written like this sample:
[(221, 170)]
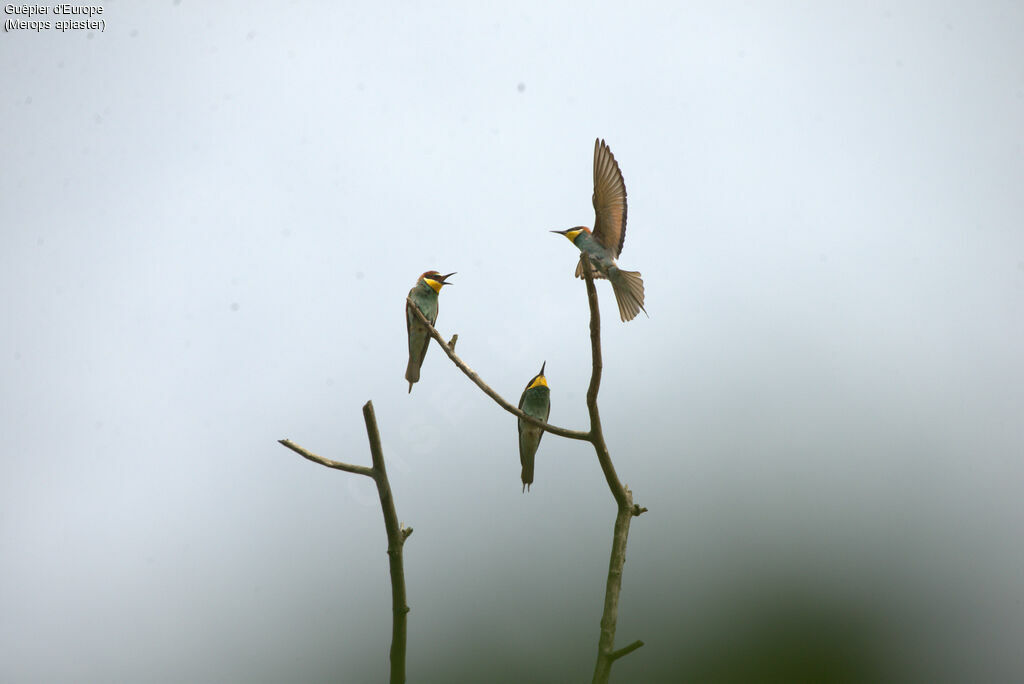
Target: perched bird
[(424, 295), (536, 402), (605, 243)]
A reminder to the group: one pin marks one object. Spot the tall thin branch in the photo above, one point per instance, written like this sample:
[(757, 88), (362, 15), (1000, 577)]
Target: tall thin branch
[(606, 656), (596, 433), (396, 533), (396, 541)]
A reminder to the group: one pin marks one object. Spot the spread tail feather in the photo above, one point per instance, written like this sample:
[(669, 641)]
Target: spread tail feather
[(629, 293)]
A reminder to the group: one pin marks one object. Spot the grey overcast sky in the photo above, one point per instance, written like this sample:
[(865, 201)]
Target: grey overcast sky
[(210, 215)]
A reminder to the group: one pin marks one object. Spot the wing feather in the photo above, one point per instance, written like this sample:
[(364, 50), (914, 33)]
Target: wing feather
[(609, 200)]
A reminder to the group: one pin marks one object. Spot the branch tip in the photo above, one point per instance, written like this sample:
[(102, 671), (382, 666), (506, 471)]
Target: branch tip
[(625, 651)]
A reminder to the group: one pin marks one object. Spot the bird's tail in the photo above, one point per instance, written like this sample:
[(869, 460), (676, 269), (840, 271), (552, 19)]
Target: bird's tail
[(527, 475), (412, 373), (527, 460), (629, 293)]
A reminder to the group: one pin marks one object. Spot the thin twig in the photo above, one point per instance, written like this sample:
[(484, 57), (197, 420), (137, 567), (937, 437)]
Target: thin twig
[(626, 650), (337, 465), (471, 374)]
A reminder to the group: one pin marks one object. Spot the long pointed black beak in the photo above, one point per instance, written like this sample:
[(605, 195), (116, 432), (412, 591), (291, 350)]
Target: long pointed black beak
[(445, 278), (542, 368), (560, 232)]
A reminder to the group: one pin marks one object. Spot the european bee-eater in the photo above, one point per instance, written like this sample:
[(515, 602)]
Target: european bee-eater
[(605, 243), (536, 402), (424, 295)]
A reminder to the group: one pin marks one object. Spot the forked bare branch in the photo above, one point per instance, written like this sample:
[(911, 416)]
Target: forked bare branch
[(396, 533)]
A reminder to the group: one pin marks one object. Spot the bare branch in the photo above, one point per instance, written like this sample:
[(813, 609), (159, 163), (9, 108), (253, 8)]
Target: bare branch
[(498, 399), (625, 651), (373, 435), (337, 465), (610, 615), (596, 433), (396, 533), (396, 540), (623, 497), (595, 338)]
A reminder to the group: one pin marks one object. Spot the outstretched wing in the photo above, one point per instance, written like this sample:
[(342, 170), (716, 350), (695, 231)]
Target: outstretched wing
[(609, 200)]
